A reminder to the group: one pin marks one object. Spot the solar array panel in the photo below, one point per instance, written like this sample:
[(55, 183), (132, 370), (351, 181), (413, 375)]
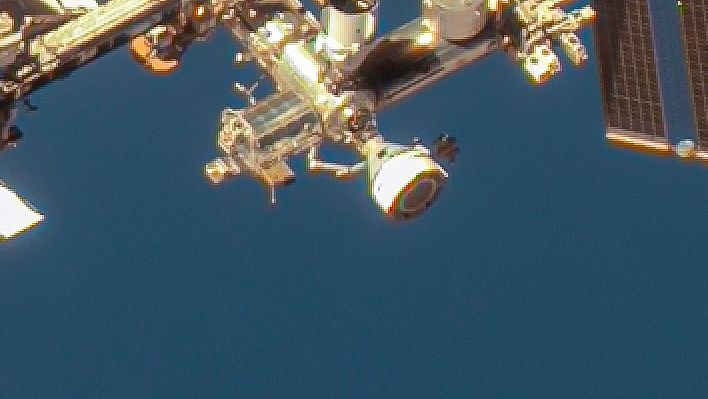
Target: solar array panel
[(694, 29), (628, 75)]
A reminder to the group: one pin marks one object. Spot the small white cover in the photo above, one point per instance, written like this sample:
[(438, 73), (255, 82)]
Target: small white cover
[(16, 215), (88, 4)]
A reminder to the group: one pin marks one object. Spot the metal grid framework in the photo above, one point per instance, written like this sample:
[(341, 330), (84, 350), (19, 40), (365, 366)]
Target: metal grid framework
[(628, 72), (694, 27)]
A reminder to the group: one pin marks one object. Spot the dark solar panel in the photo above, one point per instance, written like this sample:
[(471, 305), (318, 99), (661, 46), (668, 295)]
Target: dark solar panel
[(695, 40), (628, 74)]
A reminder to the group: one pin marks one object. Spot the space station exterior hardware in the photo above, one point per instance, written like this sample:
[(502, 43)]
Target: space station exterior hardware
[(16, 214), (333, 74)]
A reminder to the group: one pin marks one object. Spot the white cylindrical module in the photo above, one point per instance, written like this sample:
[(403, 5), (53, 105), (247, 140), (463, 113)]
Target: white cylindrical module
[(456, 19), (404, 181), (350, 25), (299, 70)]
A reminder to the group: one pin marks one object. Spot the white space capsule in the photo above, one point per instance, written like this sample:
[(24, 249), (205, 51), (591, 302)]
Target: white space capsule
[(404, 180)]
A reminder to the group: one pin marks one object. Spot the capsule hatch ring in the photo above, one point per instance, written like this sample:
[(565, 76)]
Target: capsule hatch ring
[(418, 195)]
